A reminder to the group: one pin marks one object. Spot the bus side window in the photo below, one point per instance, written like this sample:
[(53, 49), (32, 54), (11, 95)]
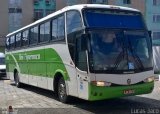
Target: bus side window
[(54, 29), (25, 36), (12, 42), (45, 32), (61, 27), (58, 28), (73, 24), (74, 21), (18, 40), (7, 43), (34, 35)]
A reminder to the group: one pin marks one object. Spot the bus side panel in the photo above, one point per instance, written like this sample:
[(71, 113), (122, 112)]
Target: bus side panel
[(58, 59)]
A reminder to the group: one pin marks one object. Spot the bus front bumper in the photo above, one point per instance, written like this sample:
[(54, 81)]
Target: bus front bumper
[(101, 93)]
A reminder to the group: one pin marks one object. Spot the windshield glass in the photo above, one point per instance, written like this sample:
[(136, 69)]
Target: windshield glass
[(117, 50), (112, 18), (2, 61)]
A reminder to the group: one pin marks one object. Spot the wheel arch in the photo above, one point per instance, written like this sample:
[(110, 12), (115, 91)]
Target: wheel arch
[(58, 74)]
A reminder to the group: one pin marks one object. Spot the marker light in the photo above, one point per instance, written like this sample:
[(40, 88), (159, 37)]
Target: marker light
[(150, 79)]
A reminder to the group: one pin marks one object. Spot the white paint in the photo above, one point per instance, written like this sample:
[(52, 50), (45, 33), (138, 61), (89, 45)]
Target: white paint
[(2, 66), (83, 84), (122, 78)]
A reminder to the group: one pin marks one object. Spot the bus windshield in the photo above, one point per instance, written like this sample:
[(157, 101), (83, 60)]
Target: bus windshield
[(108, 18), (117, 51)]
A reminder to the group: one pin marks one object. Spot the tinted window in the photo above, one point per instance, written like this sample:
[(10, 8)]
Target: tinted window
[(54, 29), (34, 35), (7, 43), (61, 27), (73, 30), (12, 42), (58, 28), (113, 19), (73, 21), (45, 32), (18, 40), (25, 38)]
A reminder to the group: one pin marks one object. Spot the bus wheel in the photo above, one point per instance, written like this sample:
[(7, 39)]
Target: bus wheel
[(62, 94), (17, 80)]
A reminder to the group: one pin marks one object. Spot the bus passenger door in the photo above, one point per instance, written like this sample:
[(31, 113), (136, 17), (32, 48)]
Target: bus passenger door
[(81, 69)]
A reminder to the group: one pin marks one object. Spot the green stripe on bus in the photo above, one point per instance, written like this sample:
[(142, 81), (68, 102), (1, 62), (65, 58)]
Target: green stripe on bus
[(43, 62)]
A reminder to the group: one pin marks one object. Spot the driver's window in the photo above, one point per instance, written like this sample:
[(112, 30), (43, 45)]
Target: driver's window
[(81, 58), (142, 47)]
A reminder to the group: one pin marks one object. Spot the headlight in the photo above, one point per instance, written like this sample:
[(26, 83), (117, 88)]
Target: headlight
[(101, 83), (150, 79)]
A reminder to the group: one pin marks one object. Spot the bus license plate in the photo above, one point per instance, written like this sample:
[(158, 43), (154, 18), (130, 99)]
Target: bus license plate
[(130, 91)]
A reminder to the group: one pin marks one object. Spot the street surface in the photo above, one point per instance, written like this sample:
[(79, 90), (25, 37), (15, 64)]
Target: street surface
[(32, 100)]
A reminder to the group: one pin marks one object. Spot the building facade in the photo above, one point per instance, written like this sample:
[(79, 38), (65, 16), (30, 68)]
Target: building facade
[(43, 8), (138, 4), (153, 17), (20, 13), (3, 22), (14, 15)]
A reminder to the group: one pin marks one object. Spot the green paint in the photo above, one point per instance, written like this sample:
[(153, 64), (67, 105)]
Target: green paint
[(43, 62), (100, 93)]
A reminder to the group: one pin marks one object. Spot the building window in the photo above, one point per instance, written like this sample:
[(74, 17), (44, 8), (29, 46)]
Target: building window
[(36, 2), (48, 2), (126, 1), (156, 2), (48, 11), (38, 14), (156, 38), (156, 18), (99, 1), (15, 10)]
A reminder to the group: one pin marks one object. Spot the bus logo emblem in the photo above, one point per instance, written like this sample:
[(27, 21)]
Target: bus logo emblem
[(129, 81)]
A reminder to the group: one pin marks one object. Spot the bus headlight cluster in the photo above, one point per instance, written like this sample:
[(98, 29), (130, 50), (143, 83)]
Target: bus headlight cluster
[(150, 79), (101, 83)]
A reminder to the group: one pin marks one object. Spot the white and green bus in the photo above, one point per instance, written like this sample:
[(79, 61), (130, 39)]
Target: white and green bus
[(60, 52)]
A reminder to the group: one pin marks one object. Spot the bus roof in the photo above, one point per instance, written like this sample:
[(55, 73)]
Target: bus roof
[(74, 7)]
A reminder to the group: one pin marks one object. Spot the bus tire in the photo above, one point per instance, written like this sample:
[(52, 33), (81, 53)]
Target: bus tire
[(17, 82), (62, 94)]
